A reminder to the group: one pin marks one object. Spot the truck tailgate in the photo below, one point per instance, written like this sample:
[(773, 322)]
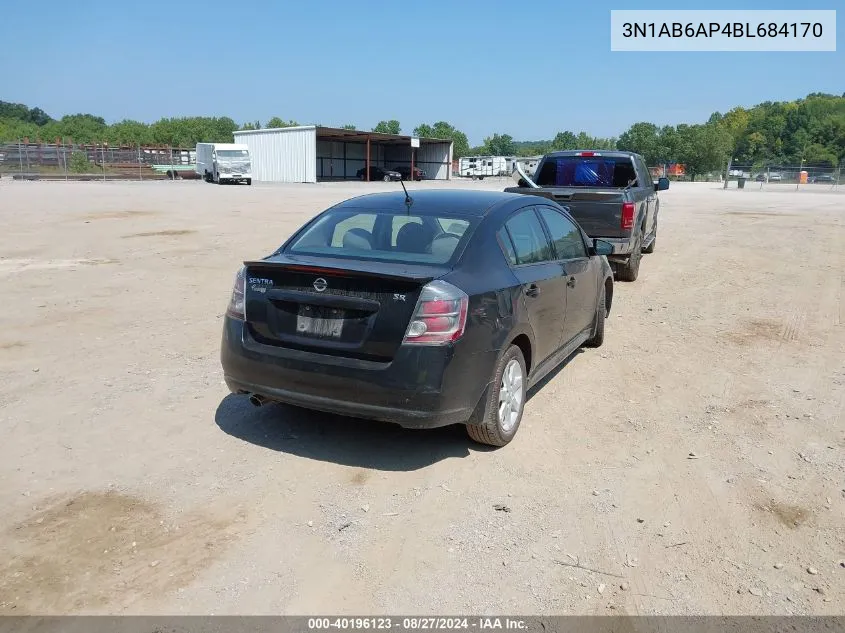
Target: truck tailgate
[(598, 211)]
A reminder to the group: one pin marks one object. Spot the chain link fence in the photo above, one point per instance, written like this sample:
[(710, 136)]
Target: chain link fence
[(781, 176), (66, 161), (749, 176)]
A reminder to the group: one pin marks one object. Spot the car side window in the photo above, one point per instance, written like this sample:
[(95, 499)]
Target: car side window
[(566, 237), (507, 246), (530, 244)]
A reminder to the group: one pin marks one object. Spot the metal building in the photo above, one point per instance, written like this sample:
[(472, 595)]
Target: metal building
[(311, 153)]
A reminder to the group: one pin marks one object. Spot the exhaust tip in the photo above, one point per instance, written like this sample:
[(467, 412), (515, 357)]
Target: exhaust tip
[(256, 400)]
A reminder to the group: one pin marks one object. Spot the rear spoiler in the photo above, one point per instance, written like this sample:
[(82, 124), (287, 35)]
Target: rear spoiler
[(382, 270)]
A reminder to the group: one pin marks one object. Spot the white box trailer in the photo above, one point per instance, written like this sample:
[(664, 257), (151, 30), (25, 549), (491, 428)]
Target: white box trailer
[(481, 166), (224, 162), (528, 163)]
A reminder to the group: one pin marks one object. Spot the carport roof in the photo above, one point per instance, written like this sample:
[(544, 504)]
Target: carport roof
[(343, 135), (361, 136)]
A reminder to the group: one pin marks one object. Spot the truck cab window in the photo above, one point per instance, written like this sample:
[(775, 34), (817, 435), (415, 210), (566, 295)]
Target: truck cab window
[(586, 171)]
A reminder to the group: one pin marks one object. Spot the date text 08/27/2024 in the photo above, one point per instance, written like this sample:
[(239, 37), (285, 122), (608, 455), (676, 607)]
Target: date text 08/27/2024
[(415, 623)]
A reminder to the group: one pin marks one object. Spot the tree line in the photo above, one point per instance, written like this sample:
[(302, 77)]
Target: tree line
[(811, 130)]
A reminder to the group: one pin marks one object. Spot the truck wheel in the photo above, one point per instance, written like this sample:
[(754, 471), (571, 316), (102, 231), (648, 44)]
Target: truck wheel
[(631, 270), (651, 246), (601, 315), (501, 413)]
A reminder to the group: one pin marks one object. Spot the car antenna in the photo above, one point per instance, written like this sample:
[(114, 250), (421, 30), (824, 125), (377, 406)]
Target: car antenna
[(408, 199)]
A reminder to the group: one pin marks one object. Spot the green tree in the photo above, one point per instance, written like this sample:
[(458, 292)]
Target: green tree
[(703, 148), (13, 130), (78, 163), (564, 140), (642, 138), (388, 127), (128, 132), (666, 150), (20, 112), (276, 122), (349, 126), (499, 145), (817, 155), (446, 131), (736, 122)]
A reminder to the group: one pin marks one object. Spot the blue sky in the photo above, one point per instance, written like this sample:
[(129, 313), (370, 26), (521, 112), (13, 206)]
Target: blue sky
[(529, 69)]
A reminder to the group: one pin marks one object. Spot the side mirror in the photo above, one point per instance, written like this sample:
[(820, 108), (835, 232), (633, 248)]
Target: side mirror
[(600, 247), (662, 184)]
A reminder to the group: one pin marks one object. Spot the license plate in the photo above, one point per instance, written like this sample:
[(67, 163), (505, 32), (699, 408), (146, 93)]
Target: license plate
[(318, 321)]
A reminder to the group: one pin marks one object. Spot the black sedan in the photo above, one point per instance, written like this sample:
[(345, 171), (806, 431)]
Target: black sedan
[(405, 171), (438, 310), (377, 173)]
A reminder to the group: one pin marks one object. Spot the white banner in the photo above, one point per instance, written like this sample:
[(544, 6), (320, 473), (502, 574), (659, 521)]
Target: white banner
[(711, 30)]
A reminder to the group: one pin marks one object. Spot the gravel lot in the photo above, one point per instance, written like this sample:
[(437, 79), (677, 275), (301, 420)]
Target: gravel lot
[(692, 465)]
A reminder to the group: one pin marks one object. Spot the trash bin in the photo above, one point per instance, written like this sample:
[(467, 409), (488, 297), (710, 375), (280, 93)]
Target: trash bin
[(740, 182)]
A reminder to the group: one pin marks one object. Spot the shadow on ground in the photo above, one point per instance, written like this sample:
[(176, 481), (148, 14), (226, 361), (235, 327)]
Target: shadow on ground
[(341, 440), (349, 441)]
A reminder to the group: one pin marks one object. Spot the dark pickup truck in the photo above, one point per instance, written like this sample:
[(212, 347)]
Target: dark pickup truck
[(610, 193)]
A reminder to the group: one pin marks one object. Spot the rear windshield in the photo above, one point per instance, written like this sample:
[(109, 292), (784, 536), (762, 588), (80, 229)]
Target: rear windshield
[(582, 171), (385, 236)]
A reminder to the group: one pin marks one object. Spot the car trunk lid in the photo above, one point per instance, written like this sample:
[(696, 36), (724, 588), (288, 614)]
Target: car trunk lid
[(352, 308)]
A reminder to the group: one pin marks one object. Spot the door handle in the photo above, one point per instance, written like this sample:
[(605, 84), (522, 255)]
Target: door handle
[(571, 282), (532, 291)]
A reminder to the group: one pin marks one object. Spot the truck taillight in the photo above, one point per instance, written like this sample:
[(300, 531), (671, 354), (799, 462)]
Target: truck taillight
[(440, 316), (588, 154), (237, 308), (627, 215)]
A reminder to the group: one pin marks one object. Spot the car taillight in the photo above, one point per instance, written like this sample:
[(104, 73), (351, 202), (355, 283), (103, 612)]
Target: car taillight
[(587, 154), (237, 309), (440, 316), (627, 215)]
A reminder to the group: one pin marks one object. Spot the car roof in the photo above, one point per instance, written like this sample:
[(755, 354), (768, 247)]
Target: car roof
[(432, 201)]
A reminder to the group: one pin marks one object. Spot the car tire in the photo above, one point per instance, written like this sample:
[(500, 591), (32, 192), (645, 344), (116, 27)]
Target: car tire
[(249, 181), (497, 424), (601, 314), (650, 248), (631, 270), (386, 178)]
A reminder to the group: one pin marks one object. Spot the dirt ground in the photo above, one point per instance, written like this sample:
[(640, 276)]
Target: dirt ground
[(692, 465)]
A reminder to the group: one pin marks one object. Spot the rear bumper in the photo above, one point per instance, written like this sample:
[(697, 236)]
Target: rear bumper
[(422, 387)]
